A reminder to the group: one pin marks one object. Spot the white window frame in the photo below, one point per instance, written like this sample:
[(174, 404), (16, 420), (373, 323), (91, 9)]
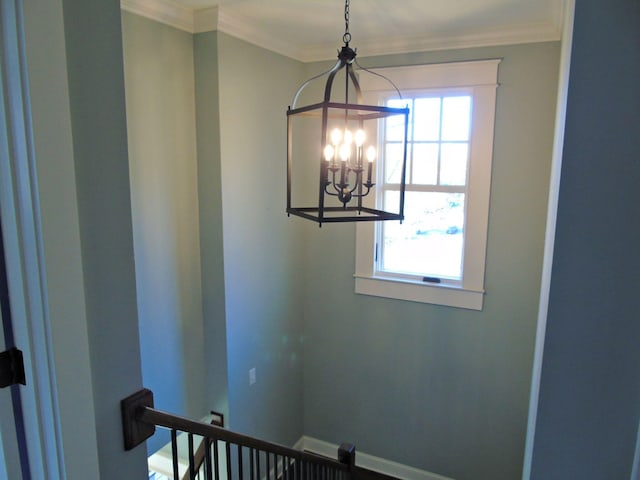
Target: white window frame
[(479, 79)]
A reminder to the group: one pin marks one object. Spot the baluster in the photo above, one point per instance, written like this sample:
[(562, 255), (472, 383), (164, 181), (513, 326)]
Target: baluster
[(251, 465), (192, 468), (239, 462), (207, 459), (174, 453), (275, 467), (258, 464), (216, 460), (228, 452), (268, 465)]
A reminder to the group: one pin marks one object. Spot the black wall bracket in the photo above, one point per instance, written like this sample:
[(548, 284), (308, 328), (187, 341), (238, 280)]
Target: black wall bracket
[(11, 368), (136, 432)]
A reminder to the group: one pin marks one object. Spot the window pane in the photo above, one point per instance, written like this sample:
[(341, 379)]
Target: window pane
[(425, 164), (456, 115), (395, 124), (453, 164), (430, 241), (393, 162), (426, 113)]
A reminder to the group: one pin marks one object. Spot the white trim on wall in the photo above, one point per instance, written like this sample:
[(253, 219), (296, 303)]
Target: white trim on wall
[(552, 210), (367, 461), (163, 11)]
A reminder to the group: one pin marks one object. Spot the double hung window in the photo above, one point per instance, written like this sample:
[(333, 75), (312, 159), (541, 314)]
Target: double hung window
[(437, 254)]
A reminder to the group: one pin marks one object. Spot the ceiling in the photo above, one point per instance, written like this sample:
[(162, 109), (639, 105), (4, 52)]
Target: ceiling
[(312, 29)]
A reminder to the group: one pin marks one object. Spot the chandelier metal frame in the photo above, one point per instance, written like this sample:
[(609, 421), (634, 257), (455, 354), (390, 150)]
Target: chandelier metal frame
[(340, 177)]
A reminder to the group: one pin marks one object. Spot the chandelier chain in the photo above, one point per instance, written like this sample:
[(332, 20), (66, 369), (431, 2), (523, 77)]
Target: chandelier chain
[(346, 38)]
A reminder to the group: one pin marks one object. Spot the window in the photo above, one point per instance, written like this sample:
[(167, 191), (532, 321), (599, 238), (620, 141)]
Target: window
[(437, 255)]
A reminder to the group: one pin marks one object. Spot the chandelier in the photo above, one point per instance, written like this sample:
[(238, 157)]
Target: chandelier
[(343, 136)]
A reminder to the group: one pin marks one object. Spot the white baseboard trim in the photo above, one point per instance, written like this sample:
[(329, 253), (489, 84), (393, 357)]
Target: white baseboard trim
[(367, 461)]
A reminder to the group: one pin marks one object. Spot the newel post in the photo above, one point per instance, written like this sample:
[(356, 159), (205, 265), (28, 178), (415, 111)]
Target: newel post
[(347, 455), (134, 431)]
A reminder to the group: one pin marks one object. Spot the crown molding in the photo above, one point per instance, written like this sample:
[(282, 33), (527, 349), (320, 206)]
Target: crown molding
[(206, 20), (163, 11), (219, 19), (245, 29), (392, 46)]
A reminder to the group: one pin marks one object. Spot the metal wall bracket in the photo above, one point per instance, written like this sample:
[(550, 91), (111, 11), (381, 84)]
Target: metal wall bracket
[(136, 432), (11, 368)]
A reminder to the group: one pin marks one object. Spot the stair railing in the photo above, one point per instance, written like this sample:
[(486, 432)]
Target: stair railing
[(228, 455)]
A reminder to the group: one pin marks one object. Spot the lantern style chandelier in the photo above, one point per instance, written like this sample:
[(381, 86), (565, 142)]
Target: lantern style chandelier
[(336, 140)]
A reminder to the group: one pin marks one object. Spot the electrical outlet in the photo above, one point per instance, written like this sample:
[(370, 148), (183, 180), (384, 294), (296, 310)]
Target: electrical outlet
[(252, 376)]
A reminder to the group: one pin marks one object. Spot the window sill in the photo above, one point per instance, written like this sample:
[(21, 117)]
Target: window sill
[(419, 292)]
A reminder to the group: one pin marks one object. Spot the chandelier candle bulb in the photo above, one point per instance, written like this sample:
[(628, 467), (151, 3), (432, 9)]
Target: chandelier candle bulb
[(371, 156), (329, 157), (345, 153), (348, 137), (359, 138), (336, 136), (328, 153)]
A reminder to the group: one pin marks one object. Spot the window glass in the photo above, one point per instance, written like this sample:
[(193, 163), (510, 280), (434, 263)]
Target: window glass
[(456, 112), (393, 162), (425, 163), (430, 241), (427, 119), (394, 126), (453, 163)]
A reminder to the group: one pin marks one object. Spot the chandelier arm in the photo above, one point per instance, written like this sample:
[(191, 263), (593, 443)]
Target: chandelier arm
[(332, 73), (333, 69), (356, 83), (333, 184), (358, 182), (362, 195), (381, 76)]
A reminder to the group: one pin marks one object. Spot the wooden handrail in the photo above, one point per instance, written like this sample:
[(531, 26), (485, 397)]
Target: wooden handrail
[(140, 418), (163, 419)]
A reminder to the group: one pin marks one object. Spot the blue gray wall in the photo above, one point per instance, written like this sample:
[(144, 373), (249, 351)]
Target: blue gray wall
[(262, 262), (217, 261), (437, 388), (589, 403), (210, 212), (164, 202)]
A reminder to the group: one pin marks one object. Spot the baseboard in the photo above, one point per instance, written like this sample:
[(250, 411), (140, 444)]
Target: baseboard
[(367, 461)]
